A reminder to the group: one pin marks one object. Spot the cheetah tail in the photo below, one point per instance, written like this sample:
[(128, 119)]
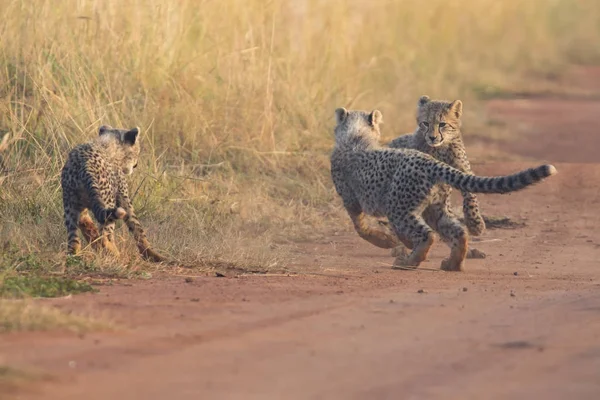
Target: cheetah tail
[(498, 184), (118, 213), (108, 215)]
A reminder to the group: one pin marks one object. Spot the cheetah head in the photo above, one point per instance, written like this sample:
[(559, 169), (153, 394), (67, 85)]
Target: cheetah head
[(439, 121), (127, 150), (352, 125)]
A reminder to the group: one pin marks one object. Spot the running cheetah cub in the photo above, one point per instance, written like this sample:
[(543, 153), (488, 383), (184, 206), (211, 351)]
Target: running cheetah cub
[(94, 178), (400, 184), (438, 134)]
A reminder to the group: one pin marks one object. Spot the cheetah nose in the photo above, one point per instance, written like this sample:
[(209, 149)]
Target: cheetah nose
[(432, 138)]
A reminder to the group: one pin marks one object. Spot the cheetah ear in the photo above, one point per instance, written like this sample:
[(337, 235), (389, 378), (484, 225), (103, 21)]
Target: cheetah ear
[(130, 137), (375, 118), (423, 100), (104, 129), (456, 108), (340, 115)]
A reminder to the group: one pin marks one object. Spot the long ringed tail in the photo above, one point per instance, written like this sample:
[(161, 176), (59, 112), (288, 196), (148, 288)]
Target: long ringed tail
[(497, 184)]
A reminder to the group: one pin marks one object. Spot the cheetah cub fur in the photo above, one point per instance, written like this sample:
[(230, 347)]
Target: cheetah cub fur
[(438, 134), (400, 184), (94, 177)]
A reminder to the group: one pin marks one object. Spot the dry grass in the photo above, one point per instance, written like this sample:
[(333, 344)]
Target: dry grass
[(236, 101)]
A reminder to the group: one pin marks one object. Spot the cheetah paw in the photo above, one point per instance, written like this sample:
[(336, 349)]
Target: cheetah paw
[(448, 265), (404, 261), (399, 251), (151, 255), (474, 253)]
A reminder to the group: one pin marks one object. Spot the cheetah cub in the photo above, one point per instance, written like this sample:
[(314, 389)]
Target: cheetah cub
[(438, 134), (94, 178), (400, 184)]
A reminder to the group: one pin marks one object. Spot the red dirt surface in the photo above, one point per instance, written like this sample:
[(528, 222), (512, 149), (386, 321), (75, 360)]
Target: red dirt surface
[(523, 323)]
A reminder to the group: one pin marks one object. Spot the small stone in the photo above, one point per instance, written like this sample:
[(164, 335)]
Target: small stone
[(391, 301), (195, 299), (465, 289), (515, 273), (421, 291), (189, 280), (512, 294), (219, 275)]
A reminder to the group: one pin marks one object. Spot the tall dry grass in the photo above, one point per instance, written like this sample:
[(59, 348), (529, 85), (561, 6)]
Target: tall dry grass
[(235, 99)]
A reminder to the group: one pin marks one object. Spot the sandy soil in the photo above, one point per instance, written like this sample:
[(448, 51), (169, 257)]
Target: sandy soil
[(522, 323)]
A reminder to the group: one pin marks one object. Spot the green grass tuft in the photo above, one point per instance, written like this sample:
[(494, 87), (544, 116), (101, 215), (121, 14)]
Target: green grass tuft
[(40, 286)]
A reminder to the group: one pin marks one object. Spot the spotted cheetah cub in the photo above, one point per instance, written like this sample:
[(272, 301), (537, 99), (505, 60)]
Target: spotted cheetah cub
[(400, 184), (94, 178), (438, 134)]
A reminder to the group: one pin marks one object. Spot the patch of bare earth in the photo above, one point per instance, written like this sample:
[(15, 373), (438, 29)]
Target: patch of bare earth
[(522, 323)]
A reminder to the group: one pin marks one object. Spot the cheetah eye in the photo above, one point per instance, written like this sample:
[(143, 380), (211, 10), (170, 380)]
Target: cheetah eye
[(442, 124), (425, 124)]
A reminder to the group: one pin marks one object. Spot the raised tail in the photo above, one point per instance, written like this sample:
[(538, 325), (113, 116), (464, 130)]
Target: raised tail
[(103, 214), (498, 184)]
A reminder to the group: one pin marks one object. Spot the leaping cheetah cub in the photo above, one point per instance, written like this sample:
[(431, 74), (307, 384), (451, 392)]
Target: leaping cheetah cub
[(438, 134), (399, 184), (94, 178)]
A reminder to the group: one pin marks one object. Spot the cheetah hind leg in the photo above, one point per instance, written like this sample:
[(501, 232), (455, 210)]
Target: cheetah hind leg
[(142, 242), (401, 249), (88, 229), (107, 239), (417, 255), (422, 239), (74, 244), (454, 234)]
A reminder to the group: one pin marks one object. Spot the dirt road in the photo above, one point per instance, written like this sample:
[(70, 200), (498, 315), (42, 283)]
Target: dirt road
[(523, 323)]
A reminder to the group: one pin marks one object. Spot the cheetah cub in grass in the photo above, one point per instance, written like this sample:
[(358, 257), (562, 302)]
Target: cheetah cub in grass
[(438, 134), (94, 178), (400, 184)]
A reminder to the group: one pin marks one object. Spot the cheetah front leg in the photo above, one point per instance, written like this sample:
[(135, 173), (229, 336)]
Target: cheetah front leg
[(135, 227)]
